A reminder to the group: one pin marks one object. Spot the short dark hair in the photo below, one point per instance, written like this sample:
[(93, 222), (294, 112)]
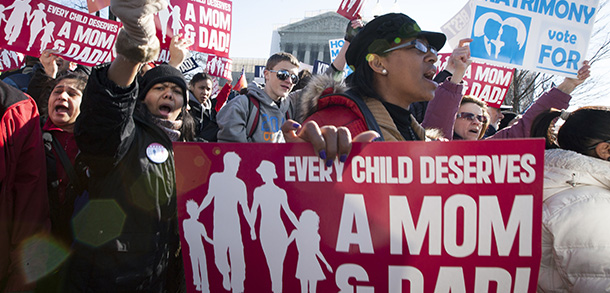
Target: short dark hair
[(581, 130), (279, 57), (199, 77)]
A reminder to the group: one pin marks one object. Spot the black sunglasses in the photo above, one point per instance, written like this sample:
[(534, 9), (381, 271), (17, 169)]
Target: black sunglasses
[(471, 117), (284, 74), (418, 44)]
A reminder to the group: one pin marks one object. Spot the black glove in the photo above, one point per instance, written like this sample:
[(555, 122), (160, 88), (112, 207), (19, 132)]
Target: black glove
[(351, 32)]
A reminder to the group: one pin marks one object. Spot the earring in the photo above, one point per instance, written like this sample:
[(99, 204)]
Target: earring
[(384, 72)]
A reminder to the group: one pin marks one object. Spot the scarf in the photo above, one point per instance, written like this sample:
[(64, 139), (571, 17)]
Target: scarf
[(171, 128)]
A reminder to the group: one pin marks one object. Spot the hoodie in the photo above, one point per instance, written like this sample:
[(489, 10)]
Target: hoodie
[(237, 117)]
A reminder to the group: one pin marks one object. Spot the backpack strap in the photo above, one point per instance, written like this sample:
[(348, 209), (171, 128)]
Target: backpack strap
[(369, 119), (252, 102), (47, 139), (65, 161)]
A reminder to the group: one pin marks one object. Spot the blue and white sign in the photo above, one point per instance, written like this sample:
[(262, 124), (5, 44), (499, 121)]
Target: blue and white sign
[(320, 67), (188, 65), (259, 74), (549, 36), (335, 46)]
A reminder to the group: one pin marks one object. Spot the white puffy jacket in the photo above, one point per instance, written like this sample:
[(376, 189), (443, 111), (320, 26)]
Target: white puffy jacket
[(576, 224)]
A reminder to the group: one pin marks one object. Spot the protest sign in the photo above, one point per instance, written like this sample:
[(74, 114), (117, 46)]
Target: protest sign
[(546, 36), (10, 60), (426, 216), (335, 46), (488, 82), (259, 74), (219, 66), (189, 64), (350, 9), (34, 25), (208, 23), (319, 67), (457, 27)]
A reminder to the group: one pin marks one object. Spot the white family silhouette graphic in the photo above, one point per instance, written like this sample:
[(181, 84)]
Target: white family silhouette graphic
[(36, 20), (164, 16), (228, 194)]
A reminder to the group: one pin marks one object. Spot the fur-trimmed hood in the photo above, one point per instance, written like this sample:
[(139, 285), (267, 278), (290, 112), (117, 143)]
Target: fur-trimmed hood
[(565, 169), (319, 85)]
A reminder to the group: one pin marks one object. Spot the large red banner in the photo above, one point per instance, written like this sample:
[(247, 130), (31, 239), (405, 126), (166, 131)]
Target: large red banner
[(207, 22), (395, 217), (488, 82), (31, 26)]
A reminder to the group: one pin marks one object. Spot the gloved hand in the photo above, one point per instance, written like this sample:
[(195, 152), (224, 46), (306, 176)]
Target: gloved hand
[(353, 27), (137, 41)]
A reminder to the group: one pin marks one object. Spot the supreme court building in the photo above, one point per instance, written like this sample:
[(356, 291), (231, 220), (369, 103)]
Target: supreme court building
[(307, 39)]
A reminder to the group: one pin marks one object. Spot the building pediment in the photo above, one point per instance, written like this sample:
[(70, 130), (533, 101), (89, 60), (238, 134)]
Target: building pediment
[(329, 21)]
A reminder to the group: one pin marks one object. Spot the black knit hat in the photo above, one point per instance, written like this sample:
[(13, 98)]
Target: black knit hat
[(159, 74), (384, 32)]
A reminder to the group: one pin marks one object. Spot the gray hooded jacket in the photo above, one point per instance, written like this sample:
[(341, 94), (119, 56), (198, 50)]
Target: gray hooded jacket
[(237, 116)]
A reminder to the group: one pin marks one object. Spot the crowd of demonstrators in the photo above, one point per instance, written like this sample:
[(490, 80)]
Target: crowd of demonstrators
[(472, 118), (575, 240), (258, 115), (24, 208), (393, 62), (123, 118)]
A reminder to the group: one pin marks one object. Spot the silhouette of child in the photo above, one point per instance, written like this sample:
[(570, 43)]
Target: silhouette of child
[(307, 239), (193, 231)]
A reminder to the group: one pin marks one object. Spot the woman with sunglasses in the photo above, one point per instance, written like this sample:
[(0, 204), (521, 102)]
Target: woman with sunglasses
[(576, 207), (258, 115), (472, 119), (393, 62)]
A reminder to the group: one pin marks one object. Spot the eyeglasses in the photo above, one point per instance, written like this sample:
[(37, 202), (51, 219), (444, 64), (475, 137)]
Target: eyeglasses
[(595, 145), (471, 117), (419, 45), (284, 74)]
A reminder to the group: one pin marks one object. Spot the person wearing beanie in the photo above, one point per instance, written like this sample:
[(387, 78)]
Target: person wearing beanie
[(125, 133), (393, 63)]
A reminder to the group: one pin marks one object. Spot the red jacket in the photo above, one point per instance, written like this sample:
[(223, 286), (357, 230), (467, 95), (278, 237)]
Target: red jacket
[(24, 208)]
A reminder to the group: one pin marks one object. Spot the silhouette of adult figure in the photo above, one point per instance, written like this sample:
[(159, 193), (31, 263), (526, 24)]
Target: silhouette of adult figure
[(512, 36), (228, 191), (21, 10), (193, 233), (164, 19), (37, 21), (273, 236), (486, 31)]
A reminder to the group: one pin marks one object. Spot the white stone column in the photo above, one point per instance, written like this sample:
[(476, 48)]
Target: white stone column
[(307, 54), (295, 49), (321, 52)]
